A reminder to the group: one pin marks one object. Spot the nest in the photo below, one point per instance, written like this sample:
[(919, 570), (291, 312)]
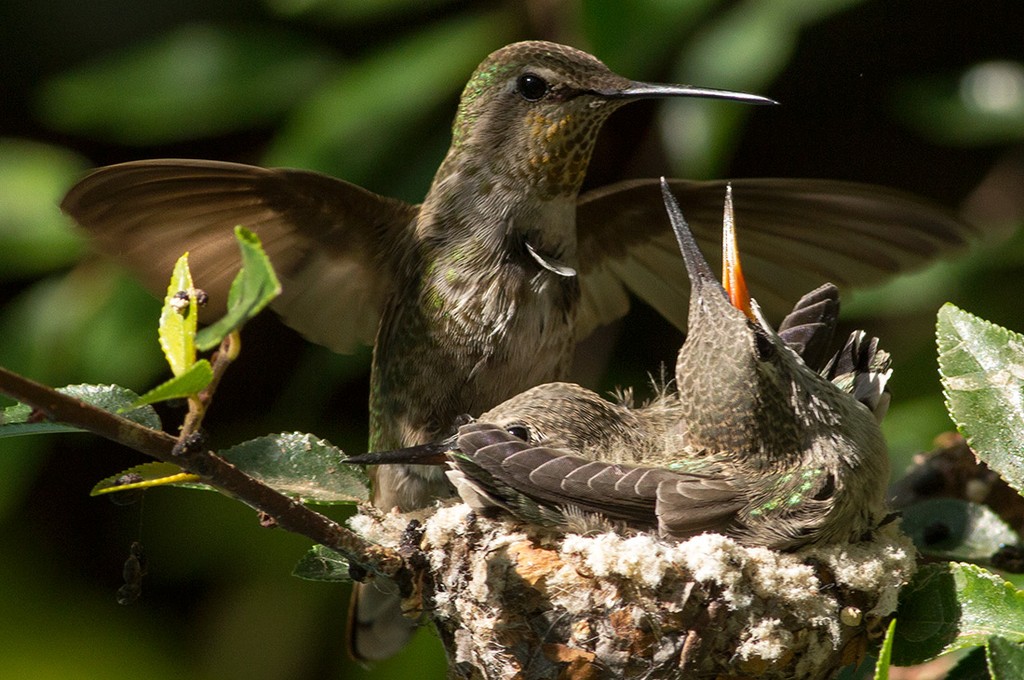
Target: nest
[(513, 602)]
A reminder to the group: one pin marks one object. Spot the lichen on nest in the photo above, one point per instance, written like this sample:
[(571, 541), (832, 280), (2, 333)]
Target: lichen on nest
[(514, 601)]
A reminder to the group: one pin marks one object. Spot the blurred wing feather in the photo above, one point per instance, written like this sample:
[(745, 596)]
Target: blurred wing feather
[(794, 234), (333, 244)]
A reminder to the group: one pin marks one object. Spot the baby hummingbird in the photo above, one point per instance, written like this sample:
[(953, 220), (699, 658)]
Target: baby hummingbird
[(755, 444)]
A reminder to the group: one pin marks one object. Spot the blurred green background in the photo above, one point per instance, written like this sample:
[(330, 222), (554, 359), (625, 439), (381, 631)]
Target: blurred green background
[(905, 93)]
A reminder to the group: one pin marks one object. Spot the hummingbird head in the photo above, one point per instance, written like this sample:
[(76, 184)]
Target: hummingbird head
[(532, 111), (742, 388), (570, 416)]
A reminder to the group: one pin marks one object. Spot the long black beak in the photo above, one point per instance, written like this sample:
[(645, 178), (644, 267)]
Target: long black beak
[(639, 90), (423, 454), (697, 267)]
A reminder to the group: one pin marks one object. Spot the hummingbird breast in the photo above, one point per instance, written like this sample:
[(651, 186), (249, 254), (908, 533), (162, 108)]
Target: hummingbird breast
[(465, 338)]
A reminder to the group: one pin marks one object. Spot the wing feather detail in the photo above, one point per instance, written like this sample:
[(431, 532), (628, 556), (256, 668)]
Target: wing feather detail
[(332, 243)]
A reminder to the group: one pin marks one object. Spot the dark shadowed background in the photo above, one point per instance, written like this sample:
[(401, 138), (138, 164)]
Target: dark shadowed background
[(913, 94)]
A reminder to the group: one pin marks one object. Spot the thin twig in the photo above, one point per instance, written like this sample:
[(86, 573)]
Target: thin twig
[(288, 513), (199, 404)]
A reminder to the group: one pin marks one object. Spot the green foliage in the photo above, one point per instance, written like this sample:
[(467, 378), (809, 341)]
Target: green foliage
[(18, 420), (34, 237), (982, 368), (192, 82), (953, 606), (885, 653), (178, 319), (301, 465), (145, 476), (255, 286), (252, 290), (338, 129), (976, 107), (189, 383), (363, 90), (322, 564), (1005, 659), (352, 10), (953, 529)]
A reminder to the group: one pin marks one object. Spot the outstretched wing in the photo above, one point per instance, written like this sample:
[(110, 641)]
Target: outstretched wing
[(332, 243), (794, 234)]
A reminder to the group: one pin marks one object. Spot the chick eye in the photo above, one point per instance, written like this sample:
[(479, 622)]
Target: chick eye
[(532, 87), (763, 346), (519, 432)]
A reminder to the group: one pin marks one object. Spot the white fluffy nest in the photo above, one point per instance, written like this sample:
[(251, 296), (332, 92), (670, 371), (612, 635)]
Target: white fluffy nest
[(537, 605)]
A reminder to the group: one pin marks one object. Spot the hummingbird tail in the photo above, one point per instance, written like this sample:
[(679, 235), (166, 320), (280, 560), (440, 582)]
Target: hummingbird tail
[(810, 327), (377, 628)]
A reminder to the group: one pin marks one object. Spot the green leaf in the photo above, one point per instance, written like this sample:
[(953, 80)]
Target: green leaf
[(193, 82), (34, 236), (1005, 659), (338, 130), (982, 370), (354, 11), (971, 667), (885, 653), (145, 476), (195, 378), (252, 290), (742, 46), (322, 564), (16, 420), (301, 465), (951, 606), (634, 38), (178, 319), (95, 326), (954, 529), (975, 108)]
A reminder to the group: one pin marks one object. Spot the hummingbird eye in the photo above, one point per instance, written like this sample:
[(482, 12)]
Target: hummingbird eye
[(531, 86), (519, 432)]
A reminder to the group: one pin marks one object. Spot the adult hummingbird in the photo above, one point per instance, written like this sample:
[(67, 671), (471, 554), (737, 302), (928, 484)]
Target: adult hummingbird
[(483, 290), (755, 444)]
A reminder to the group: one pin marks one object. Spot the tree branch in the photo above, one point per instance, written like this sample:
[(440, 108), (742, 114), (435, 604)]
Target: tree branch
[(213, 470)]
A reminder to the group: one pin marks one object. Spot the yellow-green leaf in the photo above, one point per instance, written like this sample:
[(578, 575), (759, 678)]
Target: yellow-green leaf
[(144, 476), (178, 319), (195, 378)]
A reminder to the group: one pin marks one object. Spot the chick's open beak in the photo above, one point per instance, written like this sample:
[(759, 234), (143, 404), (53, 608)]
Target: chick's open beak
[(732, 273)]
